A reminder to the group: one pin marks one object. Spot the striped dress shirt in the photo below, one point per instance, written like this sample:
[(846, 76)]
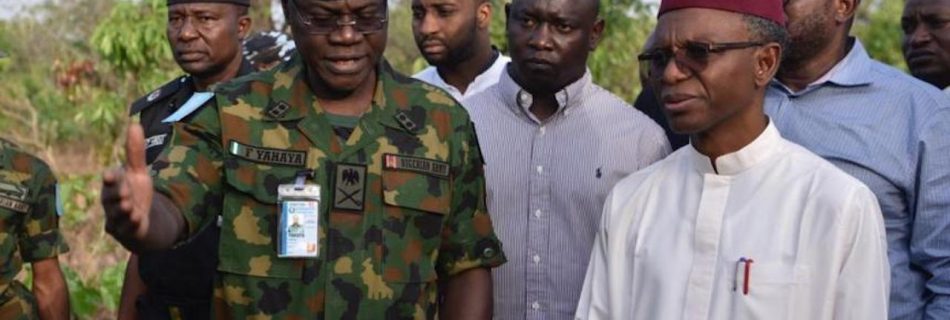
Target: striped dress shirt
[(892, 132), (547, 182)]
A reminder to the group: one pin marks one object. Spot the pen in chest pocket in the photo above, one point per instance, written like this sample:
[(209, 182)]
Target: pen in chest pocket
[(743, 270)]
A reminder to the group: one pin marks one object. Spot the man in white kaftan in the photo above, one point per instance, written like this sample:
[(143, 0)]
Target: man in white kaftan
[(672, 237), (740, 224)]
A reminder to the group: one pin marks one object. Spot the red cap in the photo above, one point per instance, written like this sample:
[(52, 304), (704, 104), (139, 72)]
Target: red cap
[(766, 9)]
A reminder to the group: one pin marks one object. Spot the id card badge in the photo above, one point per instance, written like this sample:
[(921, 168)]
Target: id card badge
[(299, 223)]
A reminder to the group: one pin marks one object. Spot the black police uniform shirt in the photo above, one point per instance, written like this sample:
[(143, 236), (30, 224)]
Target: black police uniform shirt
[(181, 277)]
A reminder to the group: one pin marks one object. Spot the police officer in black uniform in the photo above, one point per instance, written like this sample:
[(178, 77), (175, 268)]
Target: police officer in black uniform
[(205, 37)]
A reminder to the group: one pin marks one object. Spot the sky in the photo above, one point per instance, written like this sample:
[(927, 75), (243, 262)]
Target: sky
[(13, 7)]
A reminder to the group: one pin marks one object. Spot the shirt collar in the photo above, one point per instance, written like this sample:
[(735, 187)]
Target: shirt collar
[(519, 100), (851, 71), (495, 66), (946, 90), (766, 145)]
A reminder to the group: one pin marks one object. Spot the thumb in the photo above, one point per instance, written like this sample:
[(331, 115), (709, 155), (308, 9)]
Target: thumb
[(135, 149)]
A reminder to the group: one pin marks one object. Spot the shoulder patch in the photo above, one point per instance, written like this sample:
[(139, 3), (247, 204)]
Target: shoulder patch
[(194, 103), (161, 93)]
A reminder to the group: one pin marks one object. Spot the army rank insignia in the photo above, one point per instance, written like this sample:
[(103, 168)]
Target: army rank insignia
[(349, 187)]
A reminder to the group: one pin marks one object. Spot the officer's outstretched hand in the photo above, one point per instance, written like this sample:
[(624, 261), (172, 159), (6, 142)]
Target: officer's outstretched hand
[(127, 191)]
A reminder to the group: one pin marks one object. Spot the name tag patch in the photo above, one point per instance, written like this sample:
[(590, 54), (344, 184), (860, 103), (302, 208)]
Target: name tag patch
[(420, 165), (14, 205), (268, 156), (349, 187)]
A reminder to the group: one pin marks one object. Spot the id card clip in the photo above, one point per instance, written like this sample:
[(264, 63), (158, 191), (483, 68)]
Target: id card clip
[(299, 218)]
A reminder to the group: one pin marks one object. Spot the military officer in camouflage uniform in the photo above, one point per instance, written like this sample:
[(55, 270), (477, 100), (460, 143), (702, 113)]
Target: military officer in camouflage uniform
[(394, 163), (205, 37), (29, 232)]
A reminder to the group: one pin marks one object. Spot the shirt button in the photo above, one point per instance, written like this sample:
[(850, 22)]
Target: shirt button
[(537, 213), (540, 169), (542, 130), (537, 259), (535, 305)]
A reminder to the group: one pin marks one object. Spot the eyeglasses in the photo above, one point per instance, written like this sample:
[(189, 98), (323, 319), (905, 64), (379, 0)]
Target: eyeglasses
[(320, 25), (693, 56)]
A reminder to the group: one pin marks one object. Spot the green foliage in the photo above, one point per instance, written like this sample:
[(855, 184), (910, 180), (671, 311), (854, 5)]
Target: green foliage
[(401, 49), (614, 63), (879, 28), (497, 28), (78, 199), (89, 297), (138, 51), (73, 89)]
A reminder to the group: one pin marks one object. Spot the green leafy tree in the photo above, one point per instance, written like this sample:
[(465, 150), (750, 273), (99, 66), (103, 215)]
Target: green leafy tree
[(614, 64), (879, 28)]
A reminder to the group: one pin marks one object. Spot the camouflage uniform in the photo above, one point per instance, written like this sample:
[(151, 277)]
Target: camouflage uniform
[(29, 226), (423, 209)]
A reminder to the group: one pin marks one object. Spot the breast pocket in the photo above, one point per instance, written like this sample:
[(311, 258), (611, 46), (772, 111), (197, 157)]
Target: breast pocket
[(772, 289), (415, 206), (248, 243)]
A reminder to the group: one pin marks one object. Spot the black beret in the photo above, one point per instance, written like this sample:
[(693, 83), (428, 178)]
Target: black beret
[(246, 3)]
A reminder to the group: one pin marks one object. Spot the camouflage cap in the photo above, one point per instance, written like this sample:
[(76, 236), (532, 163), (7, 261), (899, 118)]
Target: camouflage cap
[(246, 3)]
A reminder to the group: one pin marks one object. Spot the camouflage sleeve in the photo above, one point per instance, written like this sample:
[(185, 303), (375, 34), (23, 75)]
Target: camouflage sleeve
[(189, 170), (468, 239), (40, 237)]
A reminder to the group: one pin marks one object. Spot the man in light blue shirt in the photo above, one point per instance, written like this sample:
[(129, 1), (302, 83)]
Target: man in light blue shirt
[(882, 126)]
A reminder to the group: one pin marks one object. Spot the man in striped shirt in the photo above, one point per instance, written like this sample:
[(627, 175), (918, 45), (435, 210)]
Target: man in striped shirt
[(554, 144)]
